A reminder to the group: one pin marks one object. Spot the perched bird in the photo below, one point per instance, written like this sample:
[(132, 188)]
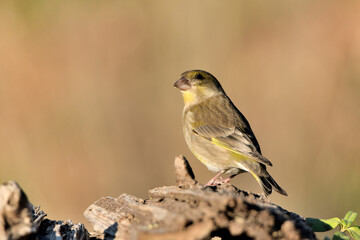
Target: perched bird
[(218, 134)]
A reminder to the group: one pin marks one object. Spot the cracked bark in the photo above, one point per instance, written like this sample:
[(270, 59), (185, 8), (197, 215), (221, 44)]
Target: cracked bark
[(192, 211), (186, 211)]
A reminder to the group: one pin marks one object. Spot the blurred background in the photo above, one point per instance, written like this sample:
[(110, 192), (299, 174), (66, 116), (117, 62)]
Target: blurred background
[(88, 108)]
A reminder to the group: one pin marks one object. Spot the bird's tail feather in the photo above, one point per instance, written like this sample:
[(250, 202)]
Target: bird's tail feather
[(265, 185), (268, 183)]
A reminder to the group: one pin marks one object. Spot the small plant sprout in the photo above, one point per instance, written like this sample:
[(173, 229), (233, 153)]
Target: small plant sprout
[(345, 224)]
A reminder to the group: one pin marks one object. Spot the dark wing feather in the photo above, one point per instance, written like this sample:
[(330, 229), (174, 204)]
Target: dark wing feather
[(232, 139), (232, 130)]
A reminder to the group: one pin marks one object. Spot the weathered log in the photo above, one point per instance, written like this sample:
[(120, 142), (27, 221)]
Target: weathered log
[(192, 211), (186, 211), (19, 219), (16, 216)]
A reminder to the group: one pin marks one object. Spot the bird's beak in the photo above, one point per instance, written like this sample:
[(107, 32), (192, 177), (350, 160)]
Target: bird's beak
[(183, 84)]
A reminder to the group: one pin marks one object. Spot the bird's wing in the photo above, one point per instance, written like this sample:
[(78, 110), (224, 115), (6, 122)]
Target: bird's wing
[(219, 121), (233, 139)]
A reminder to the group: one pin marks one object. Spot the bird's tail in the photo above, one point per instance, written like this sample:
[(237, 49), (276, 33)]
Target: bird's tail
[(268, 183), (258, 170)]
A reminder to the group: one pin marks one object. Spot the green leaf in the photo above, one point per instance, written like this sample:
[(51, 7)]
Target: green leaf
[(340, 236), (354, 232), (350, 218), (342, 225), (322, 225)]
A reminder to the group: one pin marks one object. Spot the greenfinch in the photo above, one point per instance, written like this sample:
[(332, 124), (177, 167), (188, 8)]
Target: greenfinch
[(218, 134)]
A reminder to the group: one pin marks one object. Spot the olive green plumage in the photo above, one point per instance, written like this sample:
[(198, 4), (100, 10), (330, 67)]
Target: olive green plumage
[(218, 134)]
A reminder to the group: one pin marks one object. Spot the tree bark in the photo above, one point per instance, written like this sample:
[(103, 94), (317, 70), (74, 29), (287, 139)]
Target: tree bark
[(19, 219), (186, 211), (192, 211)]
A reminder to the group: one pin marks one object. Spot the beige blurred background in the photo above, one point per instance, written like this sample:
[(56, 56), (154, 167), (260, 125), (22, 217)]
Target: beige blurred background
[(88, 108)]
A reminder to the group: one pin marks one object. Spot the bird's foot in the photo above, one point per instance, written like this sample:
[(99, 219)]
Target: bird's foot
[(212, 182), (215, 181), (218, 182), (221, 181), (227, 180)]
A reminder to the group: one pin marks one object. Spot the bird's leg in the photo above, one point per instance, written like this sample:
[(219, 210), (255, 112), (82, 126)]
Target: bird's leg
[(227, 180), (214, 181)]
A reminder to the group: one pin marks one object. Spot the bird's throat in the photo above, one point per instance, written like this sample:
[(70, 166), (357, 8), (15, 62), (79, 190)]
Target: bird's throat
[(189, 97)]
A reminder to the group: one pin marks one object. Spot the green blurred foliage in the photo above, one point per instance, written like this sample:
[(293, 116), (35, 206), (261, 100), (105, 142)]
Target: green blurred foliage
[(87, 106), (345, 225)]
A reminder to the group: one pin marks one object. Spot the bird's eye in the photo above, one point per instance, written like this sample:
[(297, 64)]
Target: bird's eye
[(199, 76)]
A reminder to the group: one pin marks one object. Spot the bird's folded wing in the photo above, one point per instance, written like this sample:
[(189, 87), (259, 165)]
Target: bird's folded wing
[(232, 139)]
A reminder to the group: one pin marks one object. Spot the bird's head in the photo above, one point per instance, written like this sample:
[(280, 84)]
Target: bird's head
[(197, 85)]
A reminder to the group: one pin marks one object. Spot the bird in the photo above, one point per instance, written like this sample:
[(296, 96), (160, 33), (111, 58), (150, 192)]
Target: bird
[(218, 134)]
